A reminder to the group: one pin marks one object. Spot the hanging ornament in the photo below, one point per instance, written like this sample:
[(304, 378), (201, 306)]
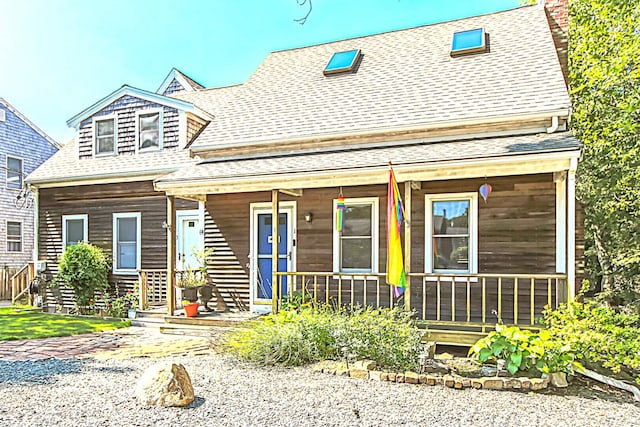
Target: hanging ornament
[(485, 190), (340, 212)]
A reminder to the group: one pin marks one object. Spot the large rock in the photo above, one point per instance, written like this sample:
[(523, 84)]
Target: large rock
[(165, 384)]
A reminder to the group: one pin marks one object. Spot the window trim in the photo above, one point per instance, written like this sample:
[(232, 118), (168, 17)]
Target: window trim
[(13, 241), (148, 111), (21, 172), (97, 119), (85, 227), (116, 217), (374, 202), (468, 50), (473, 231)]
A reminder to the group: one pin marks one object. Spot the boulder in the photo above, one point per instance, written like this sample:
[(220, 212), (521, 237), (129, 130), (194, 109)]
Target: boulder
[(165, 384)]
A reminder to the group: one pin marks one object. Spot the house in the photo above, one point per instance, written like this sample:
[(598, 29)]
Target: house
[(451, 106), (23, 147)]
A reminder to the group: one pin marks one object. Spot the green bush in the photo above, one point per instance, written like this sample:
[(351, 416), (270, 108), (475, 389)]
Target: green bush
[(313, 333), (598, 334), (85, 269), (524, 350)]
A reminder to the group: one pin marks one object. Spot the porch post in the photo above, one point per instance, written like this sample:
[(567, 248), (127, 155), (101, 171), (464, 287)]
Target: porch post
[(275, 219), (171, 254), (560, 179), (571, 229), (407, 244)]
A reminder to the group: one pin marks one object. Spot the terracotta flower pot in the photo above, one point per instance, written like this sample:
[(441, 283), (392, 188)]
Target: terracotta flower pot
[(191, 310)]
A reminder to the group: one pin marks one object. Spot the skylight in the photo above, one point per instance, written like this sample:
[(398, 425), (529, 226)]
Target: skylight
[(342, 62), (470, 41)]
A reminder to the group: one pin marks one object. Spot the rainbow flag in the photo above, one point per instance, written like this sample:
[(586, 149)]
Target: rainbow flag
[(395, 263), (340, 207)]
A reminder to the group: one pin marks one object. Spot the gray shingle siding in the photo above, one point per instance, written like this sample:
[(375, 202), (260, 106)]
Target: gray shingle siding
[(125, 109), (174, 87), (19, 140)]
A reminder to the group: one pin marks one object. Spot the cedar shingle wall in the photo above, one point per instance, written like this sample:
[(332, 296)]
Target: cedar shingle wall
[(125, 108)]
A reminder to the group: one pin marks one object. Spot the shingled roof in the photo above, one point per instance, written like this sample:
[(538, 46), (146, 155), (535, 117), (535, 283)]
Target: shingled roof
[(406, 79)]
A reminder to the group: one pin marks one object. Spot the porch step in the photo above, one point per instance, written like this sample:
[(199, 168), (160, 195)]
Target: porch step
[(148, 314), (455, 338), (147, 321), (218, 319), (194, 330)]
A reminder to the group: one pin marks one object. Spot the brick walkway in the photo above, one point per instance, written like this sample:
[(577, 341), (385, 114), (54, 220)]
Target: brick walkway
[(118, 344)]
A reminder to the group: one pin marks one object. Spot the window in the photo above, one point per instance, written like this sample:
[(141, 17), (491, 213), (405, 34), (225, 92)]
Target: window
[(471, 41), (14, 236), (14, 173), (126, 242), (149, 135), (451, 233), (3, 115), (342, 62), (74, 229), (105, 136), (356, 248)]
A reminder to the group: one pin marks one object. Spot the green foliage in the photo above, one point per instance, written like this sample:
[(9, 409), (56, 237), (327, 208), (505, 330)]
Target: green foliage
[(524, 350), (598, 334), (604, 77), (85, 269), (117, 306), (313, 333)]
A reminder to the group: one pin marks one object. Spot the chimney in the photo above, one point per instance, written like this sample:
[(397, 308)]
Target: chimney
[(558, 16)]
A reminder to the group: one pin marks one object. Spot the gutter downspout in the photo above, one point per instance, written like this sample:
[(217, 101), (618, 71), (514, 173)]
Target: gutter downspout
[(571, 229), (555, 123)]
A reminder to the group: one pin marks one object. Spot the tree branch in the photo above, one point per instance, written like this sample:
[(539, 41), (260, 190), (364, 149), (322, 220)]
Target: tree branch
[(302, 20)]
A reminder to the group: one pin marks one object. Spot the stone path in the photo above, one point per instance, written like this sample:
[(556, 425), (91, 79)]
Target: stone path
[(118, 344)]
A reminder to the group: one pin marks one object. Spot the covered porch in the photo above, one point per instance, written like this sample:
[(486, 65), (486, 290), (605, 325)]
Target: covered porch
[(518, 247)]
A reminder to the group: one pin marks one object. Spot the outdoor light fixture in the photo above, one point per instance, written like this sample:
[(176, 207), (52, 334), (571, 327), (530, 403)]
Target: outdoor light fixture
[(308, 217), (166, 225)]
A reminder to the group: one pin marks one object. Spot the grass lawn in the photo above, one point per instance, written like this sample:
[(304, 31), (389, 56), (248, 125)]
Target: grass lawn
[(18, 323)]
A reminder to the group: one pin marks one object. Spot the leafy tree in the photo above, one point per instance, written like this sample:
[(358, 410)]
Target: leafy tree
[(85, 269), (604, 80)]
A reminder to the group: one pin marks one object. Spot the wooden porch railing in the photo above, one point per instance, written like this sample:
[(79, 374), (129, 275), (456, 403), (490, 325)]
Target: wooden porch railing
[(153, 285), (474, 301), (21, 281)]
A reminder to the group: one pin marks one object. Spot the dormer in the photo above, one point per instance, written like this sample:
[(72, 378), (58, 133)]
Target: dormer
[(178, 82), (135, 121)]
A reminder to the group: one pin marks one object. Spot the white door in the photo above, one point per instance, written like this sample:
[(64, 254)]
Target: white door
[(189, 239), (261, 244)]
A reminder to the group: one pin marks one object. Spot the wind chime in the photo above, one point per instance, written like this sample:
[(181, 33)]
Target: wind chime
[(340, 212), (485, 190)]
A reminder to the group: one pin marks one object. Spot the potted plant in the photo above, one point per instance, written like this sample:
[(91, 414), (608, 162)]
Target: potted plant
[(190, 280), (190, 308)]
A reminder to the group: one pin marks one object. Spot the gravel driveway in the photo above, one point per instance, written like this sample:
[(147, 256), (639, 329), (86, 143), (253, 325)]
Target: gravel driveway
[(91, 392)]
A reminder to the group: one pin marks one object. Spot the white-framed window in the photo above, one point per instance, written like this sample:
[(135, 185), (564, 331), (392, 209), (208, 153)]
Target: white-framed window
[(105, 131), (126, 242), (14, 173), (14, 236), (355, 249), (75, 229), (451, 233), (149, 130)]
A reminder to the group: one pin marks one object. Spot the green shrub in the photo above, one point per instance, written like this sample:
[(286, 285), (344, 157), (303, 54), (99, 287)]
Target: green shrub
[(85, 269), (313, 333), (524, 350), (598, 334)]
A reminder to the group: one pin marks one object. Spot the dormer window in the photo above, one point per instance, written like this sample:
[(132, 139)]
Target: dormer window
[(471, 41), (149, 133), (105, 136)]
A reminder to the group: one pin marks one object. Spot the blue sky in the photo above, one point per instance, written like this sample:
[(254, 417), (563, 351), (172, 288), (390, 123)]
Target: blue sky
[(59, 57)]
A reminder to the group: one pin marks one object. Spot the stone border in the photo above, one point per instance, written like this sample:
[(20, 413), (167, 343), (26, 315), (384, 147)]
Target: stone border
[(365, 369)]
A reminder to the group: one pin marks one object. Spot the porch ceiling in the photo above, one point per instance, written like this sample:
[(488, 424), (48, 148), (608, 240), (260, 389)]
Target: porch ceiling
[(412, 161)]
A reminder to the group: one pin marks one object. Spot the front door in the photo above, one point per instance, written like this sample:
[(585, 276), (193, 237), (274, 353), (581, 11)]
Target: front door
[(261, 283), (188, 239)]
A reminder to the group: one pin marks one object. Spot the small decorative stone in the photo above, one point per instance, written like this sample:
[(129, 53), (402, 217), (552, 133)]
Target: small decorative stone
[(431, 380), (439, 380), (165, 384), (435, 367), (399, 378), (476, 383), (362, 374), (367, 365), (558, 379), (332, 371), (449, 381), (375, 375), (342, 372), (384, 376), (466, 382), (525, 383), (391, 377), (516, 383), (458, 384), (411, 377), (539, 383), (422, 378), (491, 383)]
